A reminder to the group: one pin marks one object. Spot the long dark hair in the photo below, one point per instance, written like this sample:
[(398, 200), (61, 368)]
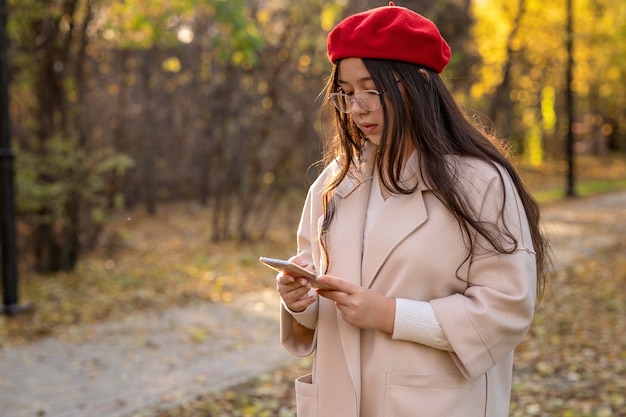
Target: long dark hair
[(428, 118)]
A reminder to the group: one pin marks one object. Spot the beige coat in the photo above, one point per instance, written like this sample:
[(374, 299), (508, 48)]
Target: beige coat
[(416, 251)]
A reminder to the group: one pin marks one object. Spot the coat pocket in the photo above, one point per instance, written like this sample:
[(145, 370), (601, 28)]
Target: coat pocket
[(427, 395), (306, 397)]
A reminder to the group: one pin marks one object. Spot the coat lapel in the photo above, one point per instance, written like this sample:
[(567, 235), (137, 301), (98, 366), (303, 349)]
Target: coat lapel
[(347, 227), (346, 247), (400, 216)]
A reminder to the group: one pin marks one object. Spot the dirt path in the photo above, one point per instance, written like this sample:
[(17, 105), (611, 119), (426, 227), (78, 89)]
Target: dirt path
[(579, 228)]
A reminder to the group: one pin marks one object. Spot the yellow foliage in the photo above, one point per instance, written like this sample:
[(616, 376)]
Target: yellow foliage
[(329, 16), (263, 16), (598, 44), (534, 146), (491, 32), (547, 109), (171, 64)]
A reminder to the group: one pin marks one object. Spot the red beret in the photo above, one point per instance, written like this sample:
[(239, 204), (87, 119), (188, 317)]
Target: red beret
[(389, 32)]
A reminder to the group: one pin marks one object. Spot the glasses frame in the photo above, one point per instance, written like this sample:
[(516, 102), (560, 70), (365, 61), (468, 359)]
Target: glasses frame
[(354, 98)]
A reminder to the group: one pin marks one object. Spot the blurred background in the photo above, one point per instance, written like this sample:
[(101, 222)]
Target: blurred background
[(162, 146), (119, 105)]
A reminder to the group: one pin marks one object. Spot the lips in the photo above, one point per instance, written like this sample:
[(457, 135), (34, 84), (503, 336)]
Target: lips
[(368, 128)]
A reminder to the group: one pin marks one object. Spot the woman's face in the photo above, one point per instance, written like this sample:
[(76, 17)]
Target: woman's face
[(354, 77)]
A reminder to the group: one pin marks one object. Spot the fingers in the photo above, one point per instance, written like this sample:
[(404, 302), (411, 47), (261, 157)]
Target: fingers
[(337, 284), (301, 304), (336, 296), (298, 260), (298, 301), (288, 280), (294, 292)]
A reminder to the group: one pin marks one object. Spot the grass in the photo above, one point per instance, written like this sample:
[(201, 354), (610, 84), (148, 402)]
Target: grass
[(585, 189), (593, 175)]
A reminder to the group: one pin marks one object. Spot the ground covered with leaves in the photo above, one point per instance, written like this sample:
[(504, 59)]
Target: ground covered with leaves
[(571, 364)]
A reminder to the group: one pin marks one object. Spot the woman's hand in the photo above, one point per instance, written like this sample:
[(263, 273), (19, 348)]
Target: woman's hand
[(361, 307), (294, 290)]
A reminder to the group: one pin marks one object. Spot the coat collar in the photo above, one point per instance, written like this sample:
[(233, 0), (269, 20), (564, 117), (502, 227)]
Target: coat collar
[(363, 168), (360, 172)]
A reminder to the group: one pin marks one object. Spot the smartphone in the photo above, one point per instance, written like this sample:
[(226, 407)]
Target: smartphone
[(293, 269)]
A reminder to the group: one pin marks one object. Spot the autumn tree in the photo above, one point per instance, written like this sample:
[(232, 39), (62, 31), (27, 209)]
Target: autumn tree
[(118, 105), (59, 176), (522, 82)]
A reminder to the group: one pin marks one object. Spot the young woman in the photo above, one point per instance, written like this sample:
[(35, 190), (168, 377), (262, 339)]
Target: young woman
[(424, 232)]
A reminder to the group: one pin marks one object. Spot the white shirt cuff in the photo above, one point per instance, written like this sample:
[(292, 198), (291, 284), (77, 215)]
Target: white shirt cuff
[(415, 321)]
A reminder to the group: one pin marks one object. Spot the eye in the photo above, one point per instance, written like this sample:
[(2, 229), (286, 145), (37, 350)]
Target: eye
[(345, 91)]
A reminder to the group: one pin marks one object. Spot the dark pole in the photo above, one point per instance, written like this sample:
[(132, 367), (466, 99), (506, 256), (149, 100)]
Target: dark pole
[(7, 218), (570, 191)]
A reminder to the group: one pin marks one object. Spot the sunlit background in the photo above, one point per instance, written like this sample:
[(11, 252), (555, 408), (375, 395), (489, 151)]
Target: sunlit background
[(161, 146)]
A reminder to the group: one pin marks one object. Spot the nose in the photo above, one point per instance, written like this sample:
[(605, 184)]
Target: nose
[(360, 109)]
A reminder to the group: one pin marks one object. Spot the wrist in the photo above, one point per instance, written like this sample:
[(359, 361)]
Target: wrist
[(389, 315)]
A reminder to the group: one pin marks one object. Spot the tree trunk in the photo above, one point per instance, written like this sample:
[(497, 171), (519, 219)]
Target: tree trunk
[(62, 57), (501, 106), (148, 139)]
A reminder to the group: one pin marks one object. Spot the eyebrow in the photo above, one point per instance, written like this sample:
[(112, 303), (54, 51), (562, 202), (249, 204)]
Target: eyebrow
[(368, 78)]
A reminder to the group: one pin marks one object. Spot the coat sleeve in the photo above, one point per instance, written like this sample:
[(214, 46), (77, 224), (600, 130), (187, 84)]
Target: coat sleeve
[(296, 338), (493, 315)]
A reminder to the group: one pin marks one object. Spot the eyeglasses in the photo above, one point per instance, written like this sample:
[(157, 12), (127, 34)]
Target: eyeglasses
[(368, 100)]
